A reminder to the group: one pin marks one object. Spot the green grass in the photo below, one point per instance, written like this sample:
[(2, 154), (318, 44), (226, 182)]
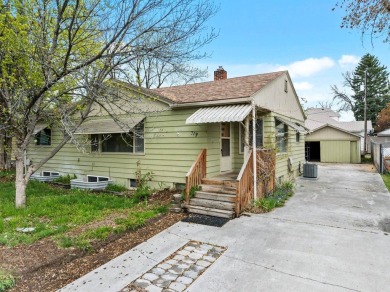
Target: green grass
[(7, 281), (4, 173), (385, 177), (53, 212), (116, 188), (277, 198)]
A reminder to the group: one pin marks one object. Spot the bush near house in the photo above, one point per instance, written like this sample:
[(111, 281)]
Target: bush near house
[(276, 199)]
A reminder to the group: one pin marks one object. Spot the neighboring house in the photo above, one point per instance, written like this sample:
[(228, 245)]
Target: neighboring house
[(178, 122), (381, 137), (331, 140)]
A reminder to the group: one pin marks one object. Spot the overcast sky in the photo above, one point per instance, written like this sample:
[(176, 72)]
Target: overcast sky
[(302, 36)]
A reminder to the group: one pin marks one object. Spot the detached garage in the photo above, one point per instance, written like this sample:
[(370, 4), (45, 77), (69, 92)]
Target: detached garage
[(332, 144)]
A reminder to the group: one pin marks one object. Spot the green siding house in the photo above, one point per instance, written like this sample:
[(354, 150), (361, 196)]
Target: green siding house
[(176, 124)]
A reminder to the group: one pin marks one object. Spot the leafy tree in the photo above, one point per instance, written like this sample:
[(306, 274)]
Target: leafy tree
[(369, 16), (56, 57), (383, 121), (377, 86)]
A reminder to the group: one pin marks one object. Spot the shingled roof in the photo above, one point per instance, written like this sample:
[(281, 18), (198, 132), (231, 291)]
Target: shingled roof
[(318, 117), (231, 88)]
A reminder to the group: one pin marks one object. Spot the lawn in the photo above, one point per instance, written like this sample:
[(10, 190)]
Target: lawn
[(386, 180), (58, 213)]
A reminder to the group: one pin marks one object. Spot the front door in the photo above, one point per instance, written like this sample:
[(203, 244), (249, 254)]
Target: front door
[(226, 159)]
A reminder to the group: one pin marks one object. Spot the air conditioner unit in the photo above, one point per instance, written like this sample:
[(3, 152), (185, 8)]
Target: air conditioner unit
[(310, 170)]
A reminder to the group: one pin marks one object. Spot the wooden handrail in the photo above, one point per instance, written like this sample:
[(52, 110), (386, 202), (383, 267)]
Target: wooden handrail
[(244, 193), (196, 173)]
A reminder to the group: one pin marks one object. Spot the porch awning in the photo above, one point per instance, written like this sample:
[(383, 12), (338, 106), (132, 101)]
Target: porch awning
[(296, 126), (108, 126), (39, 127), (219, 114)]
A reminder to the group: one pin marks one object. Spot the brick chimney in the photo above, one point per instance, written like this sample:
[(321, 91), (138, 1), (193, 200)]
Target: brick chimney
[(220, 74)]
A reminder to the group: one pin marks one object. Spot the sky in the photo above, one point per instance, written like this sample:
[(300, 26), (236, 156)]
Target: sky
[(302, 36)]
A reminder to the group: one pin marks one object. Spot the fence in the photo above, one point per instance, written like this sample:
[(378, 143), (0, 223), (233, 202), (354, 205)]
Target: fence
[(381, 156)]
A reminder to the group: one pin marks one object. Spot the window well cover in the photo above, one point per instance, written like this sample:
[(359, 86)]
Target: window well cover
[(219, 114), (108, 126)]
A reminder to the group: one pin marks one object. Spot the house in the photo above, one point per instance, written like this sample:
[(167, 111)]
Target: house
[(327, 133), (186, 135)]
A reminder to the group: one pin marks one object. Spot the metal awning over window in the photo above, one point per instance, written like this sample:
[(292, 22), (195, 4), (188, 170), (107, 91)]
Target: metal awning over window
[(296, 126), (108, 126), (219, 114), (39, 127)]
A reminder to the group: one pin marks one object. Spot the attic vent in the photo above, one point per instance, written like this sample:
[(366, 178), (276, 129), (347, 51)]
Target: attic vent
[(285, 86)]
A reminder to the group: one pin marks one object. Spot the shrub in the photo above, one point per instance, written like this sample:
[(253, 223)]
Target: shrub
[(65, 179), (275, 199), (7, 281), (116, 188), (143, 191)]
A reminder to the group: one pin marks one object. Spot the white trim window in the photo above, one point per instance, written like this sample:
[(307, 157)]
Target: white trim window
[(281, 133), (132, 142), (43, 137), (259, 135)]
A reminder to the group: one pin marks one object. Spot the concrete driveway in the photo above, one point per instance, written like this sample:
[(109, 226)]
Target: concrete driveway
[(328, 237)]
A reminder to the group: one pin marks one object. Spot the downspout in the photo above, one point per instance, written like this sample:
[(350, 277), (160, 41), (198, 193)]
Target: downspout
[(254, 149)]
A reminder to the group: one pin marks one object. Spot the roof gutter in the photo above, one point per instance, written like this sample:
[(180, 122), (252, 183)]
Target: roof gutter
[(211, 103)]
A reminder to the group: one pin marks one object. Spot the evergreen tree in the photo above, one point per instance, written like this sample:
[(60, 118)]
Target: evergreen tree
[(377, 85)]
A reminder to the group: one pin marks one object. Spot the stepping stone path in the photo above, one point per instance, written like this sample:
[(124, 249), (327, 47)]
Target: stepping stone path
[(179, 270)]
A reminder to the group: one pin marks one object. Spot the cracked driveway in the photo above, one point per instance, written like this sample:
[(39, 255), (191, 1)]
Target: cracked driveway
[(327, 237)]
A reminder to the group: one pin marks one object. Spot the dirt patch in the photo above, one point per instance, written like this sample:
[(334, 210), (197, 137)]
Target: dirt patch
[(43, 266), (7, 178)]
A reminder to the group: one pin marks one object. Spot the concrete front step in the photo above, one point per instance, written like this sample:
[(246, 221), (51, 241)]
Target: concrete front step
[(221, 189), (215, 196), (210, 211), (212, 204)]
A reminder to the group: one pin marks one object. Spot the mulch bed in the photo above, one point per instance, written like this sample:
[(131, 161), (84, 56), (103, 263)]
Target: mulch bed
[(206, 220), (43, 266)]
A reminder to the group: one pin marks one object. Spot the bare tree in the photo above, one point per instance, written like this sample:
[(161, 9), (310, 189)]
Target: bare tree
[(153, 73), (372, 17), (174, 67), (59, 54), (326, 104)]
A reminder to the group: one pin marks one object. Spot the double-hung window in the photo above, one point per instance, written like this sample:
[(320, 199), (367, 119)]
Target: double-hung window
[(259, 135), (281, 131), (131, 142), (43, 137)]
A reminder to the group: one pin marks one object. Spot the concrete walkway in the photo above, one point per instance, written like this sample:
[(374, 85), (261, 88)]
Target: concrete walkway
[(326, 238)]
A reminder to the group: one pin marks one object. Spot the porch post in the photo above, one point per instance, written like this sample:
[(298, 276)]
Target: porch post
[(246, 138), (254, 149)]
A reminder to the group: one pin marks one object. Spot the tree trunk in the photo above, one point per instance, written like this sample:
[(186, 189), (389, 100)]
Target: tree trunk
[(2, 149), (8, 152), (20, 183), (5, 151)]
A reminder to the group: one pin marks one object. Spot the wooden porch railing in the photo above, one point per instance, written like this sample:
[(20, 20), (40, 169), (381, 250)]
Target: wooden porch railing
[(196, 173), (244, 193), (265, 168)]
